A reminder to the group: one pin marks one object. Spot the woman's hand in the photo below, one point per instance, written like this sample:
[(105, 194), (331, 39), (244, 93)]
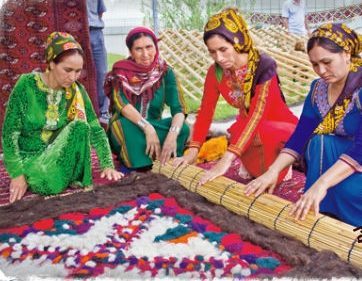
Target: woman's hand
[(169, 148), (188, 158), (266, 181), (18, 187), (111, 174), (219, 169), (309, 200), (153, 148)]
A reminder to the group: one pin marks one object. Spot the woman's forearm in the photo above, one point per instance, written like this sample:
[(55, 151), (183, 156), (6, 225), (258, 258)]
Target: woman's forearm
[(283, 161), (177, 122), (131, 113), (335, 174)]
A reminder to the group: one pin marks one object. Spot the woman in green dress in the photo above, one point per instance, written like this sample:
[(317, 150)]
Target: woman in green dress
[(50, 126), (140, 87)]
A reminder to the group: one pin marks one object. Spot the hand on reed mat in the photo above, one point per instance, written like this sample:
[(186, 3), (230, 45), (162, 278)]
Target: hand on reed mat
[(169, 148), (189, 158), (219, 169), (309, 200), (153, 147), (266, 181)]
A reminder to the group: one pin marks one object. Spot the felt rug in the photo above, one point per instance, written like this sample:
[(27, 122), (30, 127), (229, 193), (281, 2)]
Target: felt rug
[(148, 225), (148, 237), (25, 26)]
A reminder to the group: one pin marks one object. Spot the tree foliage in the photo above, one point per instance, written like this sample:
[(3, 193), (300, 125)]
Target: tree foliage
[(189, 14)]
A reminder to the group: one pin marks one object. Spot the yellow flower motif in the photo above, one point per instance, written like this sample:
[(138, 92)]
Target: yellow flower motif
[(68, 95), (52, 107), (45, 135), (50, 53), (52, 115)]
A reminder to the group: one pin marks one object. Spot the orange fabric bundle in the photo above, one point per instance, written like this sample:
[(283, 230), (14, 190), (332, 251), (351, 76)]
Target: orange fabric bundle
[(212, 149)]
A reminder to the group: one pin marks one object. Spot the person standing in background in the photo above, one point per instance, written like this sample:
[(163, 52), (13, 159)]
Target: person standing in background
[(95, 9), (294, 19)]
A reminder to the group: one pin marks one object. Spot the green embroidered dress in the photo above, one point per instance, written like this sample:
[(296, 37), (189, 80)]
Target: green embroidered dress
[(128, 141), (42, 143)]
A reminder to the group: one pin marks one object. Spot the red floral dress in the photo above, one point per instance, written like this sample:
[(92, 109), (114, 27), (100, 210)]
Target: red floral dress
[(258, 133)]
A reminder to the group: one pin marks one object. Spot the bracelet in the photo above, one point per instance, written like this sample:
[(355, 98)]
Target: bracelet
[(142, 123), (174, 129)]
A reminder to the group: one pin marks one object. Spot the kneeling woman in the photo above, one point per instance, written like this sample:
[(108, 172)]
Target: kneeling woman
[(329, 133), (140, 87), (50, 126), (248, 81)]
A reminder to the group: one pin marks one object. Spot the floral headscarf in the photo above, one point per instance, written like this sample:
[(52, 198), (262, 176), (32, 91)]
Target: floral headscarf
[(57, 43), (351, 43), (344, 37), (230, 24)]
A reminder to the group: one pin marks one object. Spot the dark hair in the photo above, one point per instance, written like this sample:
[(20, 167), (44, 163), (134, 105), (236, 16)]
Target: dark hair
[(136, 36), (67, 53), (325, 43), (208, 35)]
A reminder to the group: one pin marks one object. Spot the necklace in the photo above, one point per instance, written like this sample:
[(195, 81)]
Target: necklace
[(53, 98)]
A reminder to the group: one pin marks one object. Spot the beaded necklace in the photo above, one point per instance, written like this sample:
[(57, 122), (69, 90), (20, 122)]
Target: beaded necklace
[(52, 114)]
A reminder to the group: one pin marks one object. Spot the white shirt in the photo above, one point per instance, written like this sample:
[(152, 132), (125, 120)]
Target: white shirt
[(296, 16)]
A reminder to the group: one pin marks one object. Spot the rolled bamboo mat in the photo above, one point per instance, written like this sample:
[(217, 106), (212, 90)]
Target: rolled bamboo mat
[(320, 232)]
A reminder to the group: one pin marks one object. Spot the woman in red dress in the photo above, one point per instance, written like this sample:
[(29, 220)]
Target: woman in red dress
[(248, 81)]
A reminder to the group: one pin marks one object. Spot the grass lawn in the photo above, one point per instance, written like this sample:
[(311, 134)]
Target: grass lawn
[(112, 58), (223, 111)]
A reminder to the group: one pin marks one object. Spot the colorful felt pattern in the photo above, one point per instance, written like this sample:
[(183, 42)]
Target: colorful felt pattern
[(148, 237)]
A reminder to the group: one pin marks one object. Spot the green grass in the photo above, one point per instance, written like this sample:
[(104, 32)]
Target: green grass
[(112, 58), (223, 111)]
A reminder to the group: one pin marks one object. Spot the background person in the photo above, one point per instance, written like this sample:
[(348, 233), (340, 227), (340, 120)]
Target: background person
[(95, 10), (140, 87), (329, 133), (294, 18), (50, 126), (248, 81)]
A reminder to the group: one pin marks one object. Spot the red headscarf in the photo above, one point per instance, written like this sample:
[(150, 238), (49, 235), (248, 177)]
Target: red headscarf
[(133, 79)]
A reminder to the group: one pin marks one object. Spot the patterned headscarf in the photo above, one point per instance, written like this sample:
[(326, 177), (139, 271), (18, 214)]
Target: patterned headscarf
[(344, 37), (57, 43), (351, 43), (135, 80), (230, 24)]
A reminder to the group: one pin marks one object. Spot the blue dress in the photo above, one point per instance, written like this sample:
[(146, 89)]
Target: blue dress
[(322, 150)]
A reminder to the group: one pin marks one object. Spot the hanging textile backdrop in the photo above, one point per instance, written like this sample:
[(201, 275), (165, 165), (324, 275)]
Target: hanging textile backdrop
[(25, 25)]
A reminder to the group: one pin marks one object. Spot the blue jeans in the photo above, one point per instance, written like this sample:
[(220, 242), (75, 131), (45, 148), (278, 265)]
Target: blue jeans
[(100, 60)]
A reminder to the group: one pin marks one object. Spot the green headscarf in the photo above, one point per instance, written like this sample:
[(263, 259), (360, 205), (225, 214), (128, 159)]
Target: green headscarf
[(57, 43)]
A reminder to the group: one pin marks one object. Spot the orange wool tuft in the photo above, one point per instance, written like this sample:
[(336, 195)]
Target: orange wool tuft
[(212, 149)]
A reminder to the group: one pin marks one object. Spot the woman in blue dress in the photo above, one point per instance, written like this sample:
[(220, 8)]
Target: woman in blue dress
[(329, 133)]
